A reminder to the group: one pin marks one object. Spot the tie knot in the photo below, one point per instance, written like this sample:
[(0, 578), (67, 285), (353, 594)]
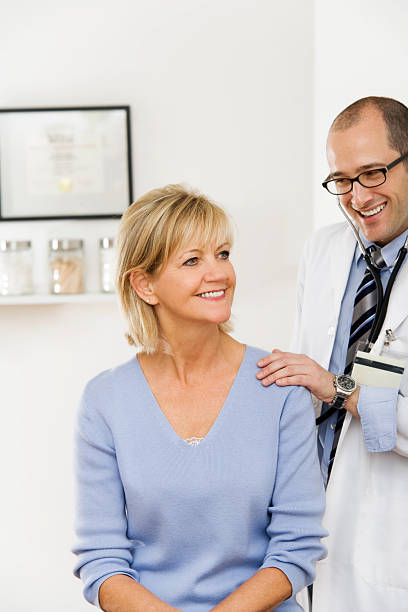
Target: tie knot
[(376, 257)]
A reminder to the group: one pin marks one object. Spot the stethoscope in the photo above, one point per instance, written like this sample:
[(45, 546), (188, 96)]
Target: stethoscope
[(372, 260)]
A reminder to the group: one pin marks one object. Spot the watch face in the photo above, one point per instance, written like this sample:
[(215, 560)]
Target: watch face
[(346, 383)]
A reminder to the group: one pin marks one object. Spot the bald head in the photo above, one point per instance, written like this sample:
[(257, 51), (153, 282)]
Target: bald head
[(363, 139), (393, 113)]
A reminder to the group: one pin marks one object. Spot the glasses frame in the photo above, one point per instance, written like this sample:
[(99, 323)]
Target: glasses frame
[(356, 179)]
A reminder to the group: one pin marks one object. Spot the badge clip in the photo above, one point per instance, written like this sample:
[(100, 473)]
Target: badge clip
[(389, 337)]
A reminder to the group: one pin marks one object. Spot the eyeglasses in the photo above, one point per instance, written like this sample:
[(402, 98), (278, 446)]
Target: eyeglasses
[(370, 178)]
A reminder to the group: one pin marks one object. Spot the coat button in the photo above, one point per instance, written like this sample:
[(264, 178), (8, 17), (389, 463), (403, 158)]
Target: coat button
[(331, 331)]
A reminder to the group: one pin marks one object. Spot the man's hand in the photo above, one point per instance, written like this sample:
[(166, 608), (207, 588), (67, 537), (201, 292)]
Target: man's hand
[(351, 403), (294, 369)]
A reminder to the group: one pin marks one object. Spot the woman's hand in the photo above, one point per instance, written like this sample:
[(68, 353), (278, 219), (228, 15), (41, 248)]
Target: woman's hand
[(120, 593), (263, 592), (296, 369)]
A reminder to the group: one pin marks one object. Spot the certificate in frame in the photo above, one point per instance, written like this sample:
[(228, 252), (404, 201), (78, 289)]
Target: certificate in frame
[(65, 163)]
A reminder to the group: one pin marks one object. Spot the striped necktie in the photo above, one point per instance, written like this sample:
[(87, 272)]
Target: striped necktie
[(365, 303)]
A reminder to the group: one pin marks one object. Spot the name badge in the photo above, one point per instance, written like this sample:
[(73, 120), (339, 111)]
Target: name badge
[(377, 370)]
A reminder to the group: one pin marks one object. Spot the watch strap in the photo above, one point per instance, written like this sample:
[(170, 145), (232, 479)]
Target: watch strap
[(338, 402)]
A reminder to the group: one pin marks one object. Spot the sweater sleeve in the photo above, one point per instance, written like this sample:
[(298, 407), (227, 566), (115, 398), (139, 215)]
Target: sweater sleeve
[(102, 546), (297, 503)]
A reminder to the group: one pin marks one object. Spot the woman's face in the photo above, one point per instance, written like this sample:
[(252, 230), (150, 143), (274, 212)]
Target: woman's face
[(196, 286)]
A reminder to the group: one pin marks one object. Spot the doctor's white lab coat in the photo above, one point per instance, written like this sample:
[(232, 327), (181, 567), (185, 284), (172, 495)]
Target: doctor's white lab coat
[(366, 569)]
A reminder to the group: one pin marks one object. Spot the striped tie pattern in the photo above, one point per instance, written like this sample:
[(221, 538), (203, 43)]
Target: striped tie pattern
[(365, 304)]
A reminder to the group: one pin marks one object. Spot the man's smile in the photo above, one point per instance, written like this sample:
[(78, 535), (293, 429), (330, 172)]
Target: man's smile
[(373, 211)]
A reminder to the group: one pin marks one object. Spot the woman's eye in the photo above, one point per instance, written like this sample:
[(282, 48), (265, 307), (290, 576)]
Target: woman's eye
[(224, 254), (191, 262)]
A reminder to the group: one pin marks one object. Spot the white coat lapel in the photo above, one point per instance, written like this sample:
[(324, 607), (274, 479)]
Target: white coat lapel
[(337, 257), (341, 258), (398, 306), (397, 311)]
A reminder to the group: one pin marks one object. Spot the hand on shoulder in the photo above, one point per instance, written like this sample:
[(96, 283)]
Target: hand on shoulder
[(285, 368)]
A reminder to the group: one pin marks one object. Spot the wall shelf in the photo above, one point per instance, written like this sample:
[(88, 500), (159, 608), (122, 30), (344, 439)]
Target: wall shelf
[(47, 298)]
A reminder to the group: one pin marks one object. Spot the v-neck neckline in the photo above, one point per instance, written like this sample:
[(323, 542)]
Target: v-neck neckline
[(169, 429)]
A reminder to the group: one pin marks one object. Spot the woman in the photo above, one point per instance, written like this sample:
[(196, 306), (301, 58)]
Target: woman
[(198, 488)]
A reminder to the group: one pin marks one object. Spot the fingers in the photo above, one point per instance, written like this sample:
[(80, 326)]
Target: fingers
[(280, 360), (300, 380), (269, 358), (283, 372), (297, 379), (285, 369), (267, 381)]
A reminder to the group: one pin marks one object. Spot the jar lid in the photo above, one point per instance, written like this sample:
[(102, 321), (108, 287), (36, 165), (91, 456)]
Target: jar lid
[(65, 244), (106, 243), (15, 245)]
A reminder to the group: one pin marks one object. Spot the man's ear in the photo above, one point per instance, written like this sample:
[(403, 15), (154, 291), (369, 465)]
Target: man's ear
[(141, 283)]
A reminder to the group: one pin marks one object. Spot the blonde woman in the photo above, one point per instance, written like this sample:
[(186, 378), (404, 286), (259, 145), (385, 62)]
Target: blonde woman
[(198, 488)]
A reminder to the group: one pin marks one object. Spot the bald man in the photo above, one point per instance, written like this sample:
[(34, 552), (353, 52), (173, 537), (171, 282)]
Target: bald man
[(363, 442)]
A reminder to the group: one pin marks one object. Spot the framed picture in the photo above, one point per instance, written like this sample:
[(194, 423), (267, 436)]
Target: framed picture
[(65, 163)]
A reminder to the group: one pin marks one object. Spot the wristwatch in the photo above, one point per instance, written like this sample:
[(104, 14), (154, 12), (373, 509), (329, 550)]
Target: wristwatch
[(344, 385)]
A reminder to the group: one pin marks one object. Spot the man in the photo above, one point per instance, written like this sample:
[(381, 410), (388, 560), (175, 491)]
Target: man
[(367, 475)]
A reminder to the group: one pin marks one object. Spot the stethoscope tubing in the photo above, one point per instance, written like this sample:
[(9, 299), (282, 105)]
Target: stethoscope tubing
[(382, 298), (382, 310)]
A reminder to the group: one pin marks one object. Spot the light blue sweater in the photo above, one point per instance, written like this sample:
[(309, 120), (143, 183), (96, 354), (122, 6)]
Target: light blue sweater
[(191, 523)]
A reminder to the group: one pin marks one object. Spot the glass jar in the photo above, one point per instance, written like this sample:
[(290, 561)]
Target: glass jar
[(107, 264), (16, 267), (66, 260)]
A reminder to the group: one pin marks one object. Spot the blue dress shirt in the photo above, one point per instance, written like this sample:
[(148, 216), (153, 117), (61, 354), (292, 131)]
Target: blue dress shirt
[(377, 406)]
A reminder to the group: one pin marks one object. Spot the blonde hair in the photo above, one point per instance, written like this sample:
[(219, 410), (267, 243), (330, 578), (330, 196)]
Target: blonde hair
[(152, 228)]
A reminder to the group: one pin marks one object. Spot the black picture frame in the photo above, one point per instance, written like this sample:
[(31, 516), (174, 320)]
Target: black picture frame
[(91, 144)]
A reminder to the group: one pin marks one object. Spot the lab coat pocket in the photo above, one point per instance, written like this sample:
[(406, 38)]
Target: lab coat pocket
[(381, 548)]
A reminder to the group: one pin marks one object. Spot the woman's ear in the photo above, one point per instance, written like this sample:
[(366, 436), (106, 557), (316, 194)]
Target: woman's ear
[(141, 283)]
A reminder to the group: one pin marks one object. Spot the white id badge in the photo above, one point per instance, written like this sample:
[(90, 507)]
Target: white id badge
[(377, 370)]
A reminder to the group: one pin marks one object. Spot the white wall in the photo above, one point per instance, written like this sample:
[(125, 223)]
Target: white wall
[(361, 49), (221, 96)]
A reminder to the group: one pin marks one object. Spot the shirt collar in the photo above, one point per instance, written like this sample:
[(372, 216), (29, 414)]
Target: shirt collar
[(389, 252)]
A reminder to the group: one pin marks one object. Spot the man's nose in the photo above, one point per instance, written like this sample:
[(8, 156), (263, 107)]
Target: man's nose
[(360, 195)]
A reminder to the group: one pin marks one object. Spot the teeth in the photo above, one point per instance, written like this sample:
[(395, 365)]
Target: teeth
[(373, 211), (212, 293)]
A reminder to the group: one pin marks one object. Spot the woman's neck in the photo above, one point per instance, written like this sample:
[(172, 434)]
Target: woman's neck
[(189, 357)]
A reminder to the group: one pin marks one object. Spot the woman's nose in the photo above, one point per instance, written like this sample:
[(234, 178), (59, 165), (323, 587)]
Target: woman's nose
[(214, 271)]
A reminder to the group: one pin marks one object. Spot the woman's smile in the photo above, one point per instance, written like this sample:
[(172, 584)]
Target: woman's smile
[(212, 295)]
